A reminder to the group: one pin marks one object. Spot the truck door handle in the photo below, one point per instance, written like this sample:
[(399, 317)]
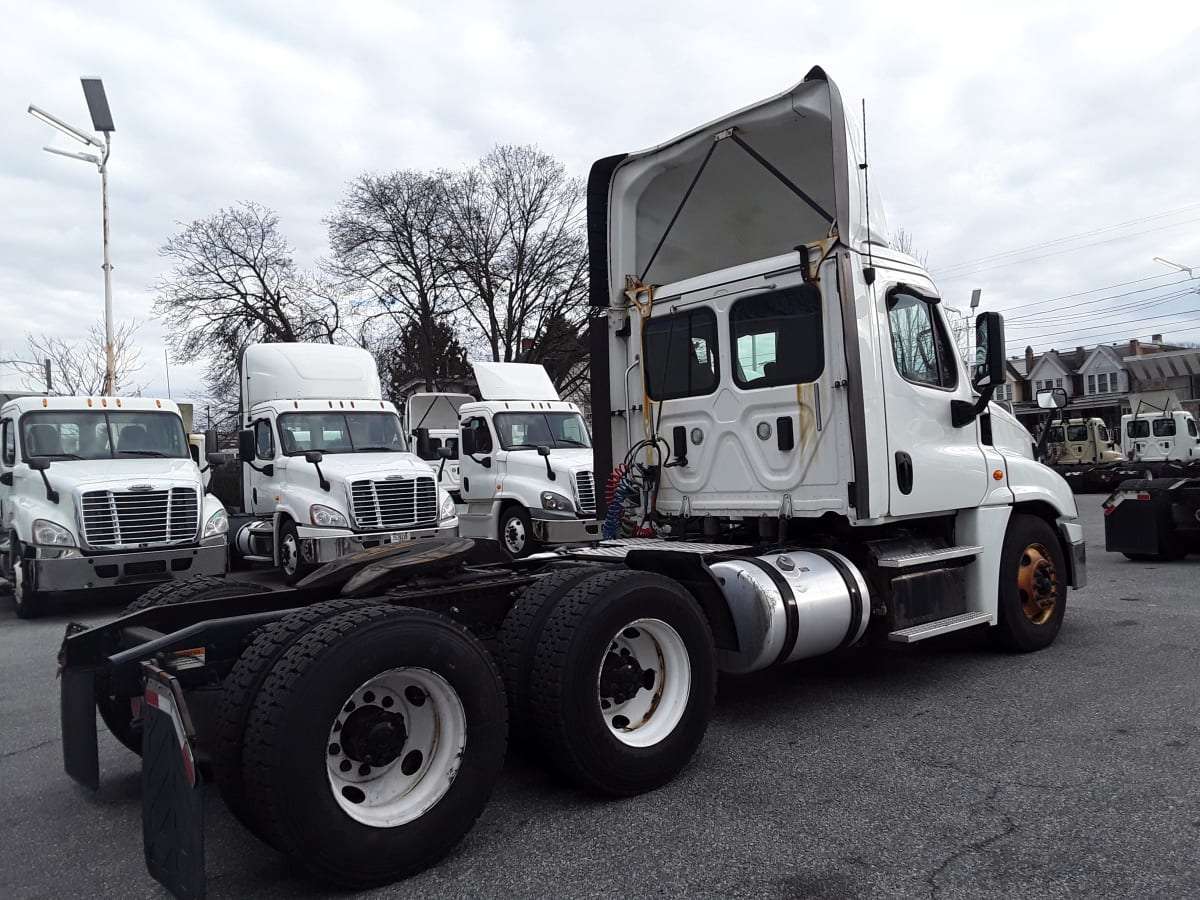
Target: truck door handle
[(904, 472), (786, 437)]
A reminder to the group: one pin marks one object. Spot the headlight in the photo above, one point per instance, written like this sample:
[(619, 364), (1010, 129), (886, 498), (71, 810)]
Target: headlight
[(446, 509), (327, 517), (218, 523), (51, 534), (557, 502)]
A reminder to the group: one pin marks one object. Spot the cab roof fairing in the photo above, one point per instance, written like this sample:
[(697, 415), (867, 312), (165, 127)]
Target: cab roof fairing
[(737, 210)]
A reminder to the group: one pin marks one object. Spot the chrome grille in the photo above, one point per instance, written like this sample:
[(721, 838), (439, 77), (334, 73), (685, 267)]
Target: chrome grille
[(394, 503), (585, 492), (113, 519)]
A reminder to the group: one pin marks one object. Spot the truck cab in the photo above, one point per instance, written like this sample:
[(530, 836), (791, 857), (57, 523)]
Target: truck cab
[(1081, 441), (1160, 436), (526, 463), (101, 492), (326, 468)]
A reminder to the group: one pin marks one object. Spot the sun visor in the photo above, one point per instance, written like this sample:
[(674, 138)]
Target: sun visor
[(513, 381), (749, 186)]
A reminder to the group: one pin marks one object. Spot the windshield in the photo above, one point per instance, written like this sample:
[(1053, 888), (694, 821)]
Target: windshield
[(530, 430), (341, 432), (100, 434)]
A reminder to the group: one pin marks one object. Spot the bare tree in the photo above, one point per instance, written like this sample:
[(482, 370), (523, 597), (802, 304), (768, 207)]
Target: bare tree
[(232, 283), (388, 239), (78, 366), (902, 240), (516, 248)]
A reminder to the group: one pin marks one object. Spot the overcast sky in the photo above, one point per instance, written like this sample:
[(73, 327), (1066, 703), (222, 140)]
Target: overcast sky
[(1068, 132)]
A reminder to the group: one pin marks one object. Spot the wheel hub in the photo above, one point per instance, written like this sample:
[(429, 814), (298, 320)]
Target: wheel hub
[(374, 736), (621, 677), (1037, 582)]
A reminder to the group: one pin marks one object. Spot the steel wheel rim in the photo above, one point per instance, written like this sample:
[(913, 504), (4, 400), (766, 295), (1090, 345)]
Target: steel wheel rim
[(652, 655), (1037, 584), (289, 554), (514, 535), (18, 583), (426, 747)]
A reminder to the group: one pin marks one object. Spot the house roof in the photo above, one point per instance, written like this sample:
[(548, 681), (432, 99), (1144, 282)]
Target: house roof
[(1168, 364)]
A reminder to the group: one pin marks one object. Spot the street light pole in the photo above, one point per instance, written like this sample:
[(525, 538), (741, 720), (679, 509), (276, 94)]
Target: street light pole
[(93, 92)]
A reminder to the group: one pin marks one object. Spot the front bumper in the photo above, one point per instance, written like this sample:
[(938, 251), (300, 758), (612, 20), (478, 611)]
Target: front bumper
[(117, 569), (562, 528), (322, 545)]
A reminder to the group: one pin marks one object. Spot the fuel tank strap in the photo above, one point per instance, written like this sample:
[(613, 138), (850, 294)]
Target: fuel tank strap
[(852, 591), (791, 612)]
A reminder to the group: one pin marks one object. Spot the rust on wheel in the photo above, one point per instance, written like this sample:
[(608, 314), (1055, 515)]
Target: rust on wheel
[(1037, 583)]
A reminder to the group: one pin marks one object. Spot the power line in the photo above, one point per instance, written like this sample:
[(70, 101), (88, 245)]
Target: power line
[(1051, 319), (1081, 332)]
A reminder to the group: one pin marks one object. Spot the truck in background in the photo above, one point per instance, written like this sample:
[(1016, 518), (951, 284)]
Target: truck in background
[(326, 468), (431, 423), (525, 462), (778, 399), (101, 492), (1085, 453), (1162, 439)]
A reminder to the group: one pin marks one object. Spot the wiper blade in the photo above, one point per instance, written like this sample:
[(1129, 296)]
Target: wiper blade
[(62, 455), (571, 443), (376, 449), (141, 453)]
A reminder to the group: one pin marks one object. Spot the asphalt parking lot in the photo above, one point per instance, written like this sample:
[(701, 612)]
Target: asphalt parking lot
[(947, 771)]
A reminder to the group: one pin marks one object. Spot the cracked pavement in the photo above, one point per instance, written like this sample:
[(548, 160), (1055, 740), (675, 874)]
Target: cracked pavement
[(949, 771)]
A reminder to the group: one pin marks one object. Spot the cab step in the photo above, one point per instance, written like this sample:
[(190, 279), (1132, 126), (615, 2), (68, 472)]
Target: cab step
[(940, 626), (925, 557), (263, 559)]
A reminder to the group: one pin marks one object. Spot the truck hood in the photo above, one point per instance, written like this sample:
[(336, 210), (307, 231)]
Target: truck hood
[(93, 474), (350, 466), (709, 200), (565, 460)]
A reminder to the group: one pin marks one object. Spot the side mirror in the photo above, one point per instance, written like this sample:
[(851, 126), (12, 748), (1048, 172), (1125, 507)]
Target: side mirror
[(543, 450), (544, 453), (6, 479), (39, 463), (989, 350), (314, 456), (445, 453), (1051, 398), (468, 442), (424, 448), (214, 458), (246, 445)]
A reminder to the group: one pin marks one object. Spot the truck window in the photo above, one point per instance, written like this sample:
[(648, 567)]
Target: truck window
[(680, 355), (922, 350), (264, 440), (339, 432), (1192, 427), (762, 325), (1102, 434), (527, 430), (10, 442), (1137, 428), (1056, 434), (1077, 433), (99, 434), (1164, 427), (478, 426)]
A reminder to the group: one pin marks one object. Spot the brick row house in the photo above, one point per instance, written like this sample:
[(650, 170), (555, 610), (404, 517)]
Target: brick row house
[(1100, 379)]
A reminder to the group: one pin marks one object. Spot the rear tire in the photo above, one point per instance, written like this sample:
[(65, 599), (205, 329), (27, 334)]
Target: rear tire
[(623, 682), (1033, 586), (518, 640), (123, 715), (239, 690), (374, 744)]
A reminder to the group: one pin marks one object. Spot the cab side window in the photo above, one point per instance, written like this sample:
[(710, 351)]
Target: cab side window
[(922, 350), (264, 440), (1164, 427), (1191, 427), (10, 442), (478, 427)]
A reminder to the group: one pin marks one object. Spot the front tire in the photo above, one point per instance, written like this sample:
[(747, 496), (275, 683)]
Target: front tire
[(1033, 586), (291, 564), (374, 744), (30, 603), (623, 682), (516, 532)]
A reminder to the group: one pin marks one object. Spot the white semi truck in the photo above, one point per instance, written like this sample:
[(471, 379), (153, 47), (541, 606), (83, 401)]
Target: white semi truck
[(101, 492), (326, 468), (431, 423), (777, 398)]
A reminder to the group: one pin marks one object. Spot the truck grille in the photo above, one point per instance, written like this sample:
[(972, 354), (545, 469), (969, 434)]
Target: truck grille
[(395, 503), (585, 492), (114, 519)]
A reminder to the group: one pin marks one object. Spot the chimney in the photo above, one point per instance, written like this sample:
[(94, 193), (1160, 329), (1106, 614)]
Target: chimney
[(1157, 338), (1080, 356), (1028, 360), (1135, 347)]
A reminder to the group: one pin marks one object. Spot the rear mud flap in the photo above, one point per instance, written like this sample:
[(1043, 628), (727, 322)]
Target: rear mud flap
[(172, 796), (78, 710)]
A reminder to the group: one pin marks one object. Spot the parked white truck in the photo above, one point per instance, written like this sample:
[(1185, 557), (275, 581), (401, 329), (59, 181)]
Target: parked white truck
[(1152, 435), (779, 399), (101, 492), (525, 463), (431, 423), (326, 468)]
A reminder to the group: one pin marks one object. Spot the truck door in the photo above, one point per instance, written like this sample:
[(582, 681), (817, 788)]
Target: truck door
[(264, 480), (932, 465), (478, 481), (8, 459)]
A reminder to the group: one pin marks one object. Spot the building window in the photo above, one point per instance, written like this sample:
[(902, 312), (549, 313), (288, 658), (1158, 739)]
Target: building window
[(1003, 392)]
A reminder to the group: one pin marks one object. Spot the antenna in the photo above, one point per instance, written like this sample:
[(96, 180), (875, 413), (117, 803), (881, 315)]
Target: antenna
[(867, 189)]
